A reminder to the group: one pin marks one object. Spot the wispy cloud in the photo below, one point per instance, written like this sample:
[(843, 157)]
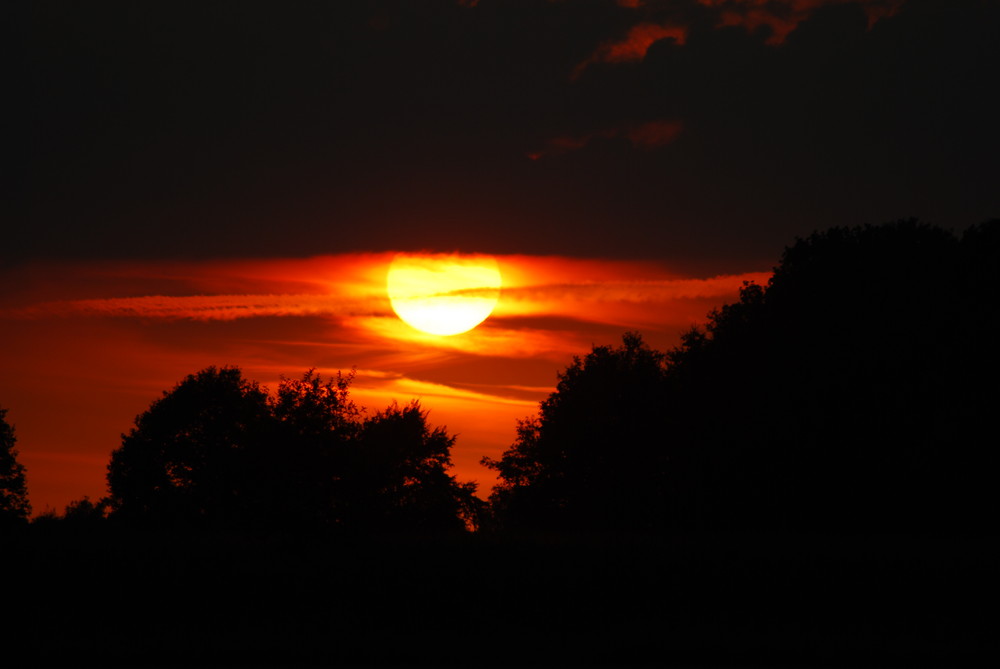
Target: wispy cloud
[(205, 307), (655, 290), (633, 46)]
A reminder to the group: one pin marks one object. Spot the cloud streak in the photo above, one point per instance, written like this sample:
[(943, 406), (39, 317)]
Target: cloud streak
[(204, 307), (649, 135), (654, 290)]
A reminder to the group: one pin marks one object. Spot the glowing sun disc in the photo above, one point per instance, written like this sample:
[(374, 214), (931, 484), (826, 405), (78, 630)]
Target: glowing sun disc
[(443, 294)]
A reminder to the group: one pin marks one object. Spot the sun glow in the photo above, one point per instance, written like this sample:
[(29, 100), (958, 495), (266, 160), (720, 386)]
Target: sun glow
[(443, 294)]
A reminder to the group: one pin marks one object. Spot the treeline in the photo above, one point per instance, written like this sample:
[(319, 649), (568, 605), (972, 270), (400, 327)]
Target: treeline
[(218, 452), (855, 392)]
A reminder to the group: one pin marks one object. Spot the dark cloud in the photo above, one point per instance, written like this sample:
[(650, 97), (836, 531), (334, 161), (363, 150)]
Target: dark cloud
[(648, 135), (173, 129)]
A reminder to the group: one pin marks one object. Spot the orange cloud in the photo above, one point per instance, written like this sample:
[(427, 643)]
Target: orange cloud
[(634, 45), (206, 307)]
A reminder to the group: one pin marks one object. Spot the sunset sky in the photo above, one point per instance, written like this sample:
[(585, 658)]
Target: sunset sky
[(226, 183)]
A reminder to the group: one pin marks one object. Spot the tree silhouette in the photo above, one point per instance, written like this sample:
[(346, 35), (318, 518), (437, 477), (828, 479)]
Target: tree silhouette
[(85, 512), (343, 468), (397, 477), (593, 456), (852, 393), (14, 505), (80, 515), (302, 469), (186, 460), (842, 392), (217, 451)]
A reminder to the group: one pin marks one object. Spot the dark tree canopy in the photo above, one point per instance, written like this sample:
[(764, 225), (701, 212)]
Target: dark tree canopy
[(854, 392), (316, 421), (187, 458), (399, 476), (849, 393), (593, 456), (14, 505), (218, 451), (79, 516)]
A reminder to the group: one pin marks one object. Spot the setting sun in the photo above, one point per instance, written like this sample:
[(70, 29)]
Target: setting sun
[(443, 294)]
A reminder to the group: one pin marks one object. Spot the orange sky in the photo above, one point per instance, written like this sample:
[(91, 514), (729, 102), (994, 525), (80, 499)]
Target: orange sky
[(88, 346)]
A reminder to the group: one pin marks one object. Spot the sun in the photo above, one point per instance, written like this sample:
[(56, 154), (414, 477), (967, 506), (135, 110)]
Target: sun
[(443, 294)]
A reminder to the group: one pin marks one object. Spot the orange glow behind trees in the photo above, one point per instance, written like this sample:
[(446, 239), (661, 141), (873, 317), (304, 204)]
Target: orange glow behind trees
[(89, 346)]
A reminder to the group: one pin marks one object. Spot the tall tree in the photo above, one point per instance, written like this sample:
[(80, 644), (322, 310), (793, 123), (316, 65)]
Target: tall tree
[(14, 505)]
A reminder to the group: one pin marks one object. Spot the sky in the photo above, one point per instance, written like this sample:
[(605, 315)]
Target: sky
[(226, 183)]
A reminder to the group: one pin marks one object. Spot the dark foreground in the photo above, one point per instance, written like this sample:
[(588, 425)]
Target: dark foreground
[(109, 598)]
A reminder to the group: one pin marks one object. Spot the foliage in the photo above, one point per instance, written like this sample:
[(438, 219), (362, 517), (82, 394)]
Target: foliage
[(592, 456), (186, 460), (84, 511), (400, 480), (82, 514), (312, 406), (842, 392), (851, 393), (315, 420), (218, 451), (14, 505)]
